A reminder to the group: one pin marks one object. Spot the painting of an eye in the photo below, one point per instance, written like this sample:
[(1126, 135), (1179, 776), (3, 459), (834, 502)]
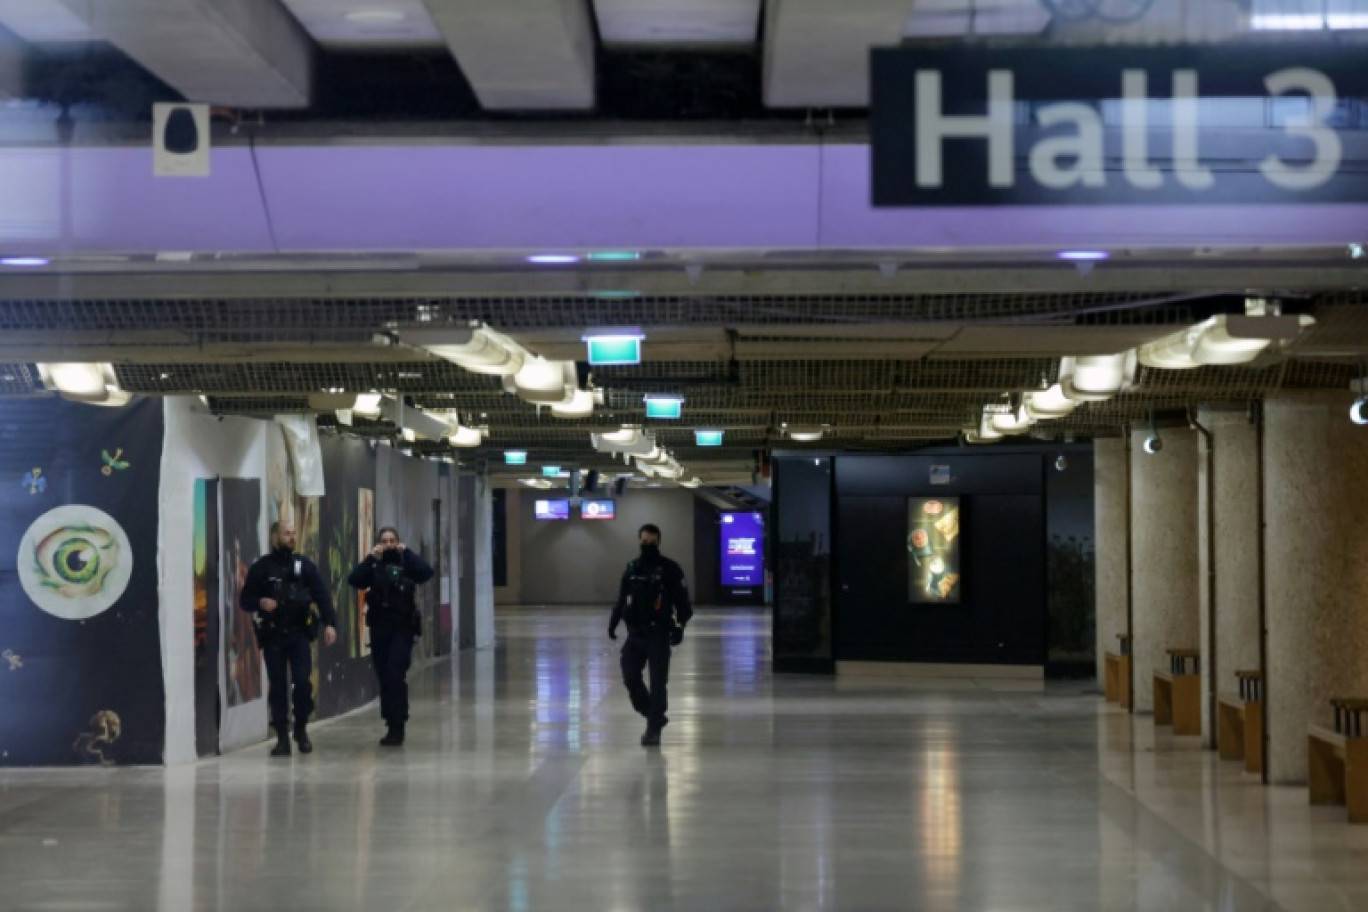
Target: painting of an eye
[(75, 561)]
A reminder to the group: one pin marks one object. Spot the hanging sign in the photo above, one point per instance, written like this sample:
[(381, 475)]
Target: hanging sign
[(1078, 126)]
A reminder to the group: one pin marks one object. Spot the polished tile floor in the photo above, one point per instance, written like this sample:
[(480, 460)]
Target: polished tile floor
[(523, 787)]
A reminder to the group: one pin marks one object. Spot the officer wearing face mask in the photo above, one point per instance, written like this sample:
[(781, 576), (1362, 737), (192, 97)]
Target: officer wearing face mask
[(279, 592), (390, 576), (653, 601)]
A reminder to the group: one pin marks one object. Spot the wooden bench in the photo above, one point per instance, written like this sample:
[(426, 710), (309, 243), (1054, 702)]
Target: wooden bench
[(1117, 686), (1239, 722), (1337, 760), (1178, 693)]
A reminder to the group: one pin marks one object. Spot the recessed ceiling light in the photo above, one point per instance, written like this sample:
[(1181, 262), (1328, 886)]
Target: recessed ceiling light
[(24, 261), (545, 259), (374, 16), (1083, 256)]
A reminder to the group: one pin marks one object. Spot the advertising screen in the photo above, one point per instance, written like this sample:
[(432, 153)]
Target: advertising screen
[(553, 509), (933, 531), (743, 549), (598, 509)]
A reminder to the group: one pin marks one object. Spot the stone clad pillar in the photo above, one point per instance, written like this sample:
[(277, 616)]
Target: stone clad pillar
[(1112, 529), (1316, 569), (1236, 554), (1164, 545)]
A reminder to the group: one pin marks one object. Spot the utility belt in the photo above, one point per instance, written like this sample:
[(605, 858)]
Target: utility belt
[(287, 620), (385, 614)]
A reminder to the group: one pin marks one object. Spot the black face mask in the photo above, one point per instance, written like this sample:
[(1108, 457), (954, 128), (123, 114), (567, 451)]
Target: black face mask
[(390, 554), (650, 551)]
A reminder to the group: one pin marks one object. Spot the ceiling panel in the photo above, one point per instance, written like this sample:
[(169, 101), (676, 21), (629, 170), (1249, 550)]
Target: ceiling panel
[(678, 22), (44, 20), (375, 24)]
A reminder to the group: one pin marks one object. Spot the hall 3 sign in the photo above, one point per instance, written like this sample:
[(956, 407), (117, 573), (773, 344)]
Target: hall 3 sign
[(1066, 126)]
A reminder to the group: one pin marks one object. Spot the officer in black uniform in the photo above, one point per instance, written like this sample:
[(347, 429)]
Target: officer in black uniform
[(280, 588), (390, 575), (653, 601)]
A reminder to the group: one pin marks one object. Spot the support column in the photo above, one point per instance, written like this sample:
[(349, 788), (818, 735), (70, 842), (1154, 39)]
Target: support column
[(1315, 542), (1112, 522), (1164, 583), (1236, 547)]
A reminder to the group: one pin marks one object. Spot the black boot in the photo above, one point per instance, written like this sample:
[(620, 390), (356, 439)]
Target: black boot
[(301, 735), (652, 736), (282, 748), (394, 734)]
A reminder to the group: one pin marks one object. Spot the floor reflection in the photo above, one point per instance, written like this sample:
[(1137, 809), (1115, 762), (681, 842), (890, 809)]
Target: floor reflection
[(523, 787)]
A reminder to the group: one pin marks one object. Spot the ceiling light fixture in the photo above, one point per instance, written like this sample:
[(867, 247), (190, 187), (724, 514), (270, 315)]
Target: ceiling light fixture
[(465, 437), (805, 433), (553, 259), (1097, 378), (515, 457), (614, 256), (1083, 256), (1046, 404), (374, 16), (90, 383), (25, 261), (476, 348), (367, 405), (580, 404), (1222, 339), (544, 381)]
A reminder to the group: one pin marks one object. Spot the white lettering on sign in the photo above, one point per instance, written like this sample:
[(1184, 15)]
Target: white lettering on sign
[(1329, 149), (933, 128), (1074, 154)]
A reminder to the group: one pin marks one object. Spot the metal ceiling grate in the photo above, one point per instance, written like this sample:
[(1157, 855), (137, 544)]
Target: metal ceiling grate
[(288, 318), (19, 380)]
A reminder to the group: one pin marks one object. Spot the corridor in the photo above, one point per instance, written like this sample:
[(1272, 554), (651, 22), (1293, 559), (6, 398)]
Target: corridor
[(523, 787)]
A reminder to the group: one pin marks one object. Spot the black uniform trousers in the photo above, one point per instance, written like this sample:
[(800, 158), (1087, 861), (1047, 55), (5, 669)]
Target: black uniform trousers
[(391, 654), (289, 653), (649, 648)]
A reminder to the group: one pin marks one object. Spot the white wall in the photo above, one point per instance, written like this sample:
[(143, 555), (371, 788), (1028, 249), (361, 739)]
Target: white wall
[(198, 446), (581, 562)]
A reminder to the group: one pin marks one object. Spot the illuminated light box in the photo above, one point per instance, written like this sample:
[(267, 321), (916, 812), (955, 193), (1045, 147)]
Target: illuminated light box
[(551, 471), (607, 351), (708, 438), (664, 407), (515, 457)]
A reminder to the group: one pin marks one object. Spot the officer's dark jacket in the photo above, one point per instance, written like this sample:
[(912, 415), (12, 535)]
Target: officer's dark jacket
[(675, 591), (264, 578), (366, 576)]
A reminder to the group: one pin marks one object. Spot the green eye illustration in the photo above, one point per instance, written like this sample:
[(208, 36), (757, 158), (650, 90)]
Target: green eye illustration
[(74, 562)]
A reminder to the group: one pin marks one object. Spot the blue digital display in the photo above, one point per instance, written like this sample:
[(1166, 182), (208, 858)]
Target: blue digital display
[(553, 509), (743, 549), (598, 509)]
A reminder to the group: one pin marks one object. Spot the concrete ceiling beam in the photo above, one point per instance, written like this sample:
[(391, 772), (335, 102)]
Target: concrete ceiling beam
[(817, 51), (522, 55)]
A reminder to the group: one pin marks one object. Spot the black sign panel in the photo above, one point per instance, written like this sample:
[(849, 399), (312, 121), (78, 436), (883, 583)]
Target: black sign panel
[(1080, 126)]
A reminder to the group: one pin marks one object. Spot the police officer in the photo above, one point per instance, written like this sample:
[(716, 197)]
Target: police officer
[(653, 601), (280, 588), (390, 575)]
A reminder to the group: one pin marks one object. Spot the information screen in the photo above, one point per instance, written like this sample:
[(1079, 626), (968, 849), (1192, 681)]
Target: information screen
[(598, 509), (743, 549), (553, 509)]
